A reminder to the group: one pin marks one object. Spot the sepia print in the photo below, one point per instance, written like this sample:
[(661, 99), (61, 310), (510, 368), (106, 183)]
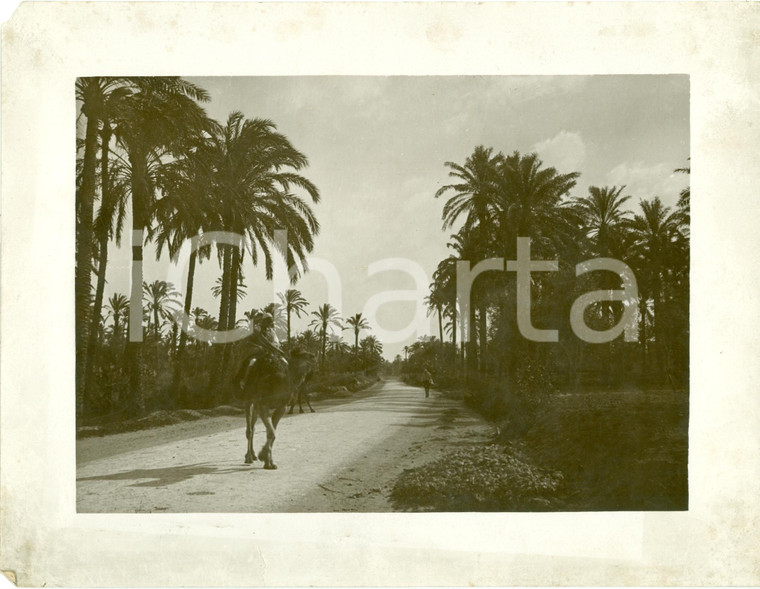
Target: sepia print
[(382, 293)]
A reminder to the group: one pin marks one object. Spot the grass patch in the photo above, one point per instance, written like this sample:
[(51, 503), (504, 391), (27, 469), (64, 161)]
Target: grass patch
[(617, 450)]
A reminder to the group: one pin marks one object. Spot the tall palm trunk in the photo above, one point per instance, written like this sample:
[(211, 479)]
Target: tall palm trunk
[(116, 328), (224, 303), (324, 343), (234, 255), (140, 199), (454, 327), (174, 338), (454, 332), (440, 325), (643, 333), (505, 355), (234, 280), (659, 346), (220, 351), (471, 348), (105, 139), (97, 307), (177, 377), (288, 314), (482, 332), (85, 200), (156, 325)]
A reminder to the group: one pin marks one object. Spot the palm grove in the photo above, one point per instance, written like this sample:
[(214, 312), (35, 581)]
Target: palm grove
[(496, 198), (150, 152)]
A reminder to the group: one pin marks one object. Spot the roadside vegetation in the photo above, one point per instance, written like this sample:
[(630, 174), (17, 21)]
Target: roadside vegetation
[(147, 151), (611, 419)]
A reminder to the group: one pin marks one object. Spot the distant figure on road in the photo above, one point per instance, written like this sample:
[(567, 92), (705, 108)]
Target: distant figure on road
[(427, 380)]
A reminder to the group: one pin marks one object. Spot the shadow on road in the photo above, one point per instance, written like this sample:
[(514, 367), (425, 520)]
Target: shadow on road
[(161, 477)]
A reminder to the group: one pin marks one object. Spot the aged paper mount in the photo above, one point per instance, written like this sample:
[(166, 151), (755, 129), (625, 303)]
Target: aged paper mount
[(44, 541)]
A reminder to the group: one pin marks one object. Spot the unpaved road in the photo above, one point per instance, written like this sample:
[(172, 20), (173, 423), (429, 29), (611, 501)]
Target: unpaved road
[(344, 457)]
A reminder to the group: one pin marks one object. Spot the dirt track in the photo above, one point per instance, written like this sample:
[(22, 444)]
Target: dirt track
[(344, 457)]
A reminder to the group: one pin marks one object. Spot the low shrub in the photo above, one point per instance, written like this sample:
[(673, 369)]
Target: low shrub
[(340, 384)]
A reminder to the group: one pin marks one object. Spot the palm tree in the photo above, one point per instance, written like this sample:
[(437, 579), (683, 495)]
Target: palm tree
[(684, 199), (185, 212), (658, 238), (251, 318), (293, 302), (604, 219), (444, 279), (435, 304), (308, 340), (325, 317), (94, 94), (371, 350), (531, 204), (660, 253), (199, 312), (157, 120), (252, 169), (336, 345), (117, 307), (249, 169), (605, 225), (517, 197), (357, 323), (468, 244), (199, 316), (475, 192), (109, 220), (372, 345), (218, 288), (161, 303), (208, 323)]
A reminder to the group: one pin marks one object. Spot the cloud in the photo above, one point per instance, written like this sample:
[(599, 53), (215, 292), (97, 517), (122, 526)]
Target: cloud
[(644, 181), (565, 151), (521, 90)]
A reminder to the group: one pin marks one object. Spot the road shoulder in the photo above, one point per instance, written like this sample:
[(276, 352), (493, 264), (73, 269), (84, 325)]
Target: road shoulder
[(365, 485)]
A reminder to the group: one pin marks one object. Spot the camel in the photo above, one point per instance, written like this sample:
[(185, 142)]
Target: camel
[(301, 395), (268, 384)]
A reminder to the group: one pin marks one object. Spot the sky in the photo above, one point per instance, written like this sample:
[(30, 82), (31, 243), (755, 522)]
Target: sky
[(377, 146)]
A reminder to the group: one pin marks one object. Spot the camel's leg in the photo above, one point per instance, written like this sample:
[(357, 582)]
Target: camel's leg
[(250, 421), (306, 396), (269, 423), (266, 451), (292, 405), (277, 416), (300, 402)]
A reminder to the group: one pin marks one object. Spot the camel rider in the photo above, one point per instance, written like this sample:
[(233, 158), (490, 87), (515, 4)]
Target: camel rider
[(266, 343)]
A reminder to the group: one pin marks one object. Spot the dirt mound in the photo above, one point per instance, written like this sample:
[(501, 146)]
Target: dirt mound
[(226, 410), (155, 419), (491, 478)]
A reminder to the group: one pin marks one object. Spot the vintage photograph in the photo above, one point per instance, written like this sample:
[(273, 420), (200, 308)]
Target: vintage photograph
[(382, 293)]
